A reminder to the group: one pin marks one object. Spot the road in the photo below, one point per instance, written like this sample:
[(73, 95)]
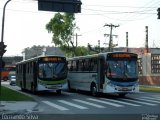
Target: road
[(138, 105)]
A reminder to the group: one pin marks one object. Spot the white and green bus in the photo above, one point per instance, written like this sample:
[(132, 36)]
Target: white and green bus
[(44, 73), (112, 72)]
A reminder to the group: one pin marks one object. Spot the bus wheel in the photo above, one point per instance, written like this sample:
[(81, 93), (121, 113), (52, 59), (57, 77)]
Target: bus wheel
[(33, 89), (122, 95), (58, 91), (93, 90), (22, 89), (69, 86)]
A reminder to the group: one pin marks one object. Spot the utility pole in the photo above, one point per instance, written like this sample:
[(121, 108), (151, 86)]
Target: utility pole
[(127, 41), (158, 10), (2, 45), (146, 42), (99, 47), (77, 39), (111, 39)]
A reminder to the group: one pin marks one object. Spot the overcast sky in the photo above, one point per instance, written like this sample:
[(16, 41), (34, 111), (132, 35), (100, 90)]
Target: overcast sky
[(25, 25)]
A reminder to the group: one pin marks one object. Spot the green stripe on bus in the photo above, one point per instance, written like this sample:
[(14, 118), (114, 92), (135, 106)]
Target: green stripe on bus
[(52, 82)]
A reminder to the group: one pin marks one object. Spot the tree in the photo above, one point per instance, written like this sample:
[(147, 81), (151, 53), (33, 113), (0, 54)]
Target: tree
[(62, 27)]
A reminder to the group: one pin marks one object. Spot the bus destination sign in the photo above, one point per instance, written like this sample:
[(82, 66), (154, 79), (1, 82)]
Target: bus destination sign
[(53, 59), (122, 55)]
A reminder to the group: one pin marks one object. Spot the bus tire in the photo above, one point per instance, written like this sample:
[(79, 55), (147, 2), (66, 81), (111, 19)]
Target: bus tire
[(22, 89), (58, 91), (33, 89), (69, 86), (93, 89)]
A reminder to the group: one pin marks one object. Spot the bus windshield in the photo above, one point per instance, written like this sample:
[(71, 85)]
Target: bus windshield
[(52, 70), (122, 69)]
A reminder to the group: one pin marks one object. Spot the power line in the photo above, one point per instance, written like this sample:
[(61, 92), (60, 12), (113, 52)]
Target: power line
[(119, 12), (119, 6)]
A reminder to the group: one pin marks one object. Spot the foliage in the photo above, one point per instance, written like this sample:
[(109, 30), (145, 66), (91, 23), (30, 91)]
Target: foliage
[(62, 27), (11, 95)]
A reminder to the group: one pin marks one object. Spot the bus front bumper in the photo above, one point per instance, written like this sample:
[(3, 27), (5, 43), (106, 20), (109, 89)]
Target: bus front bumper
[(120, 89)]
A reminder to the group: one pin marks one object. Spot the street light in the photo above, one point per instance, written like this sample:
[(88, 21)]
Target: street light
[(3, 18), (3, 46)]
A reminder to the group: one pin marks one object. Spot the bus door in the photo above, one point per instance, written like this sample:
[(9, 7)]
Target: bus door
[(101, 77), (24, 76), (35, 74)]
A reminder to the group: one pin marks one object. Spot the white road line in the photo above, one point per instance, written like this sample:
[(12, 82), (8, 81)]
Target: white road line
[(157, 97), (139, 102), (121, 102), (55, 105), (151, 98), (72, 104), (88, 103), (105, 102), (154, 101)]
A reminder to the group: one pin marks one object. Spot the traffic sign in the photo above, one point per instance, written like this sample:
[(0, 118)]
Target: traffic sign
[(70, 6)]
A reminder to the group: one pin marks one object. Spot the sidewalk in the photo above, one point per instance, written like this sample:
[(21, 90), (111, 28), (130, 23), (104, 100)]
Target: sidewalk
[(13, 107)]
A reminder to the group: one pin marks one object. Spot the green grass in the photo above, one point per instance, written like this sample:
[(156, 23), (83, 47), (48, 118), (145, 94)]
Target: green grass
[(11, 95), (149, 89)]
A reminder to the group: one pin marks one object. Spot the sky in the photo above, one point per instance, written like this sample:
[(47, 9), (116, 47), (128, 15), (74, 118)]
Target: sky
[(25, 25)]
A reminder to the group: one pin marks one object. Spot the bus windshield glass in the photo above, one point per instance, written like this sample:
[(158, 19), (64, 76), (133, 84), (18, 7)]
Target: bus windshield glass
[(52, 70), (122, 69)]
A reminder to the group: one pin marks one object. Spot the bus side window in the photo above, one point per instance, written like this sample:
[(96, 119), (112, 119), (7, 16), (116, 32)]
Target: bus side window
[(91, 65), (74, 66), (85, 65), (95, 65), (70, 67), (80, 65)]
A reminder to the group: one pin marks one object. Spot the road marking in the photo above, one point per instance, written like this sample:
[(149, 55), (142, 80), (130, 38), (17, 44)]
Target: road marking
[(158, 97), (55, 105), (154, 101), (139, 102), (72, 104), (151, 98), (121, 102), (105, 102), (88, 103)]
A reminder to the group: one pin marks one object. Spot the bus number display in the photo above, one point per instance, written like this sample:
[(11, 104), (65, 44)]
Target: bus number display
[(52, 59), (121, 55)]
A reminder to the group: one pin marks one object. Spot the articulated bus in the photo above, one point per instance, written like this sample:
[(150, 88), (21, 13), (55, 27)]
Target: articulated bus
[(112, 72), (43, 73)]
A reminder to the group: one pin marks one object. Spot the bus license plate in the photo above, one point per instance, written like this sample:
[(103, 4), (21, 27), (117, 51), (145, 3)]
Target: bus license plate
[(123, 89)]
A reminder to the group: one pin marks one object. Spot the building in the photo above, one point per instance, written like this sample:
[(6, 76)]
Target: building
[(40, 50), (148, 64), (12, 60)]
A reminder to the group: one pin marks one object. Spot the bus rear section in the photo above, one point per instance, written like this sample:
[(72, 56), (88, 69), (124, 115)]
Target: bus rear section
[(5, 73)]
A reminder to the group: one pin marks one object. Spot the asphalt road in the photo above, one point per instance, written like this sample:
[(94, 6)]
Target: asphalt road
[(81, 105)]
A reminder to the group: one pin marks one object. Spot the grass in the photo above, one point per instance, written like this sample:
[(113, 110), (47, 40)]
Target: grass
[(149, 89), (12, 95)]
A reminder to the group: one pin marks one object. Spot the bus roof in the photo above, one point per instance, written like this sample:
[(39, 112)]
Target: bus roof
[(37, 57), (96, 55)]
